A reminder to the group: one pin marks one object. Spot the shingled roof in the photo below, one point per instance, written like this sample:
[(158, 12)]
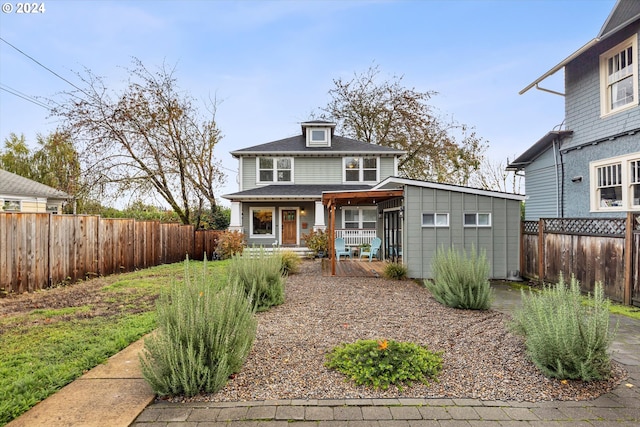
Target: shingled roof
[(297, 145), (311, 191), (18, 186)]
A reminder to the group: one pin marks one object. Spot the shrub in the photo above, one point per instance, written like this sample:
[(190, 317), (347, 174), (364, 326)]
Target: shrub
[(565, 338), (317, 241), (396, 271), (290, 262), (461, 281), (260, 274), (381, 363), (205, 332), (230, 243)]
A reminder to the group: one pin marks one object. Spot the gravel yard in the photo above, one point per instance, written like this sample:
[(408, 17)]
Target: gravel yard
[(481, 358)]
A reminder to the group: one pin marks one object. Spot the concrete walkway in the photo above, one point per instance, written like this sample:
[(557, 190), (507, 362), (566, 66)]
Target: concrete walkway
[(115, 395)]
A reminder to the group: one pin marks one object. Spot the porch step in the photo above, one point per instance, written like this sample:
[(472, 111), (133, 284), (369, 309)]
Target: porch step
[(302, 251)]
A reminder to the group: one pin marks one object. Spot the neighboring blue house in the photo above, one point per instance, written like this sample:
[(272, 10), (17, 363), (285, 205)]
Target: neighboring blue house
[(591, 167)]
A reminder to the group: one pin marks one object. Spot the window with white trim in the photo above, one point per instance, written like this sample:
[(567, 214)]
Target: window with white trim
[(360, 169), (619, 77), (477, 219), (359, 218), (11, 205), (434, 219), (275, 169), (262, 222), (615, 183)]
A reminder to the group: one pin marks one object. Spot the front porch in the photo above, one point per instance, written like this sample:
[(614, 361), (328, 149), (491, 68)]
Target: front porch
[(354, 268)]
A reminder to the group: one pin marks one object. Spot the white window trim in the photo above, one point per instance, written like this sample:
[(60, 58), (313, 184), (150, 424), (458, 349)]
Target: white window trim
[(435, 222), (605, 102), (360, 219), (627, 201), (316, 142), (275, 170), (361, 169), (477, 224), (273, 222), (18, 201)]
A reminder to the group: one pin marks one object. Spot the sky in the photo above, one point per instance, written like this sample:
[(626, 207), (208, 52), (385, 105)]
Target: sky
[(271, 64)]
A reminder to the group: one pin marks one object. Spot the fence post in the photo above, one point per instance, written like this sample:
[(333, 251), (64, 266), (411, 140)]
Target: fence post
[(628, 259), (541, 251), (522, 256)]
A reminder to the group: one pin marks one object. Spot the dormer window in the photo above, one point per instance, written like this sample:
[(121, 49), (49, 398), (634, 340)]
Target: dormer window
[(318, 134)]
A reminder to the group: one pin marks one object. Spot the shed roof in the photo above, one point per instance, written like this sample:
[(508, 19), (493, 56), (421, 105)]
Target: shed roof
[(19, 186), (394, 182)]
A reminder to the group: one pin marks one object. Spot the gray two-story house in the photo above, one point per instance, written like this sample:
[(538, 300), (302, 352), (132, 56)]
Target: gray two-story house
[(321, 181), (281, 185), (590, 166)]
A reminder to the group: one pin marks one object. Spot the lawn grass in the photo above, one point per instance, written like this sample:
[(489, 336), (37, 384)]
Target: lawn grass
[(46, 348)]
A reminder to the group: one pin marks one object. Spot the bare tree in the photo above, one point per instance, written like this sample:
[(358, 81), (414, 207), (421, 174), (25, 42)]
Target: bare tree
[(150, 137), (388, 114), (493, 175)]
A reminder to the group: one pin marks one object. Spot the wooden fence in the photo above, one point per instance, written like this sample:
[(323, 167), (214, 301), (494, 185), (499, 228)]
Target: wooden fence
[(38, 250), (603, 250)]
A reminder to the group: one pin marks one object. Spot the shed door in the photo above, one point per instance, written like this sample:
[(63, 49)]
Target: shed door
[(289, 227), (392, 235)]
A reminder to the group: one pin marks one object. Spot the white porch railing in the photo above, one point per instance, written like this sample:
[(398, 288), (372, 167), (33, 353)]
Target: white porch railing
[(355, 236)]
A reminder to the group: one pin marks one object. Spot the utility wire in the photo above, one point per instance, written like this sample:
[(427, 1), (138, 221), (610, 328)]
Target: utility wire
[(43, 66), (23, 96)]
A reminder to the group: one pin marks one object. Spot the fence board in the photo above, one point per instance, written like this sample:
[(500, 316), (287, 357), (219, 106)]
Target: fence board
[(635, 287)]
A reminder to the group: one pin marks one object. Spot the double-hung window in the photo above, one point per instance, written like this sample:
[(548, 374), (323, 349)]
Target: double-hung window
[(619, 77), (615, 183), (477, 220), (360, 218), (435, 219), (275, 169), (360, 169)]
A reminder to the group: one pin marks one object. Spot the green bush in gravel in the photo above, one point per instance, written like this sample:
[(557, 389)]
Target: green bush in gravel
[(395, 270), (260, 274), (205, 332), (290, 262), (380, 363), (461, 281), (567, 336)]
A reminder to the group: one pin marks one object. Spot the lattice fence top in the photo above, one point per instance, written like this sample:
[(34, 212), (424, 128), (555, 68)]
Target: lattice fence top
[(614, 227), (530, 227), (636, 222)]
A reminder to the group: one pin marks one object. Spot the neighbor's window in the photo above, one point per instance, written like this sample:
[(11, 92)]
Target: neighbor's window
[(11, 206), (360, 169), (435, 219), (615, 183), (619, 77), (477, 220), (360, 218), (275, 169), (262, 222)]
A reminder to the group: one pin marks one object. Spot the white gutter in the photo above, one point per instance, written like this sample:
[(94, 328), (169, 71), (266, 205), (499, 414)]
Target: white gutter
[(552, 71)]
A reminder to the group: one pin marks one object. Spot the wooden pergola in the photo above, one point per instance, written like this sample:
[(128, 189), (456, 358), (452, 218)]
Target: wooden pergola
[(333, 200)]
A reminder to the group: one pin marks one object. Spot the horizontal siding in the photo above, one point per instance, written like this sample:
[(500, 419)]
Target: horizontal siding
[(541, 192)]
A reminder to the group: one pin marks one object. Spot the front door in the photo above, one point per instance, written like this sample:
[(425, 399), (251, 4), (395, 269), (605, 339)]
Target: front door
[(289, 227)]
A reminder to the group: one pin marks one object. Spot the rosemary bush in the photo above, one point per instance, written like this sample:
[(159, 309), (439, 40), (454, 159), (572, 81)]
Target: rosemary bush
[(381, 363), (567, 335), (461, 281), (205, 332), (260, 274), (396, 271)]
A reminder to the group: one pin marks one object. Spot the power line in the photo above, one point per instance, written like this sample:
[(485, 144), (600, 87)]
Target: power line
[(43, 66), (23, 96)]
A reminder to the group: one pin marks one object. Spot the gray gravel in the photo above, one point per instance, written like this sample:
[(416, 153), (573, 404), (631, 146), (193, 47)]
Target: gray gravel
[(481, 358)]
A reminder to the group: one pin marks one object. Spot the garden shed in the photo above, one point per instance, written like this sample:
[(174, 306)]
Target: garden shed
[(436, 215)]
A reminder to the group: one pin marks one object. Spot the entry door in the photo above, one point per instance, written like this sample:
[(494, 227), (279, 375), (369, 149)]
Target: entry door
[(393, 235), (289, 227)]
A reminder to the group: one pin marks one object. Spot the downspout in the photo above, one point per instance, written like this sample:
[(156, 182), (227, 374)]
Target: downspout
[(555, 162)]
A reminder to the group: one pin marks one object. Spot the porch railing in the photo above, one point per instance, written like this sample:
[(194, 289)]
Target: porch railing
[(355, 236)]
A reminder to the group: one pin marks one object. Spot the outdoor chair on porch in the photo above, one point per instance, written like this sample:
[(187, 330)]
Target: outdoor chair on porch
[(341, 248), (373, 250)]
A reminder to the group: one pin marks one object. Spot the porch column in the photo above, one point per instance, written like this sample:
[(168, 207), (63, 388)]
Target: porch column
[(235, 223), (319, 217)]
